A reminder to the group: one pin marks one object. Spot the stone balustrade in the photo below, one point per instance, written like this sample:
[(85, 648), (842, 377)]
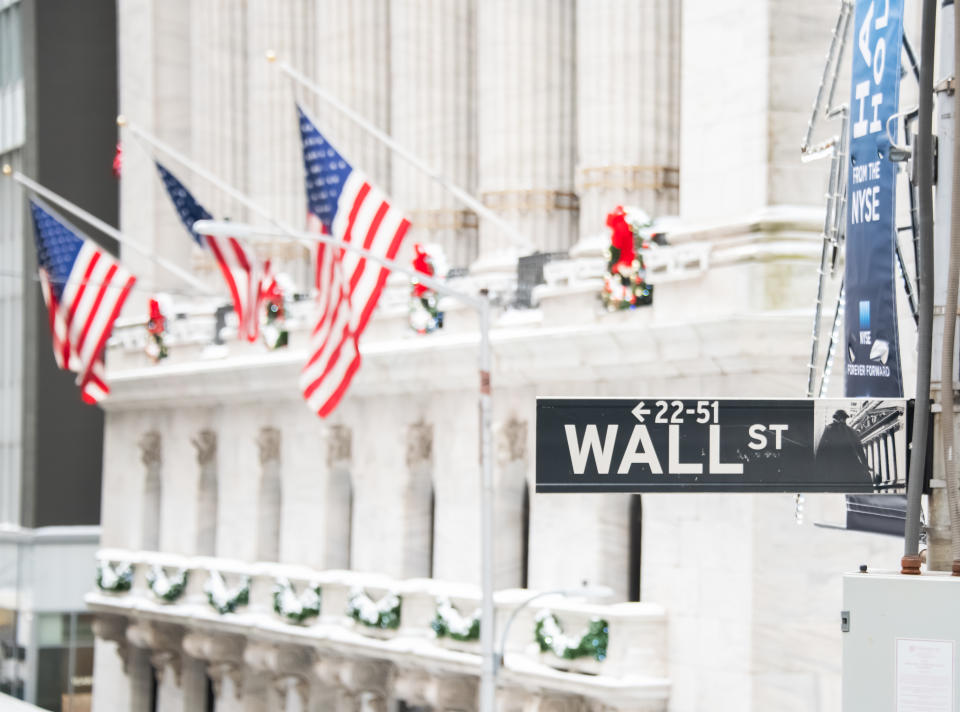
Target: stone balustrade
[(272, 628)]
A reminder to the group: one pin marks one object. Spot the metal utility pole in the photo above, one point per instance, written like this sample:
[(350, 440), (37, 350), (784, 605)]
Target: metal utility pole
[(941, 551)]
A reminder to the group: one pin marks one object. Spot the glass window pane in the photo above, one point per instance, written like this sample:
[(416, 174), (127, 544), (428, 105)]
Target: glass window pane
[(52, 629)]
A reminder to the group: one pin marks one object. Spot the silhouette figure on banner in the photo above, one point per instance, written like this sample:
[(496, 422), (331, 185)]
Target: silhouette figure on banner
[(839, 455)]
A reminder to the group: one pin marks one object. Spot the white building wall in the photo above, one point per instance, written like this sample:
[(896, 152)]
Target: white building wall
[(12, 287)]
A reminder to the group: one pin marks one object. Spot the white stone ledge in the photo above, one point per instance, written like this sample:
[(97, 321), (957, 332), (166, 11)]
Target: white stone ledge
[(734, 343), (636, 658)]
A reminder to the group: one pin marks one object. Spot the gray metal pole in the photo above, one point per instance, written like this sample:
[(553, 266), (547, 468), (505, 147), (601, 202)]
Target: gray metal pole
[(923, 162), (488, 685)]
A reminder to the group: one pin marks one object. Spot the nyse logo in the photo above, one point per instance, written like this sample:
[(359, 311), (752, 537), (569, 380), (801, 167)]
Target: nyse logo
[(865, 322)]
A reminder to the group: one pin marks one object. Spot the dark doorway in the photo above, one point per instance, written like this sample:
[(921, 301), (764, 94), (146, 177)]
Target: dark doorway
[(636, 533)]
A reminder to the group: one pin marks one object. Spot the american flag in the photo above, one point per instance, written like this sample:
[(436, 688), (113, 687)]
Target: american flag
[(84, 289), (239, 265), (342, 202)]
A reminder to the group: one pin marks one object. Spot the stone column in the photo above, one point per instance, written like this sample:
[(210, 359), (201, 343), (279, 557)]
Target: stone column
[(111, 664), (279, 675), (181, 681), (628, 108), (339, 498), (526, 122), (155, 92), (433, 113), (367, 681), (160, 644), (208, 496), (453, 694), (223, 656), (418, 502), (269, 496), (563, 551), (219, 108), (152, 459), (352, 55), (510, 490), (746, 98), (274, 157), (327, 691)]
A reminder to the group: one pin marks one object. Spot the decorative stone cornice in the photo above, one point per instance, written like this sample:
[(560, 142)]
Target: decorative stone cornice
[(628, 177), (530, 201), (205, 443), (151, 453)]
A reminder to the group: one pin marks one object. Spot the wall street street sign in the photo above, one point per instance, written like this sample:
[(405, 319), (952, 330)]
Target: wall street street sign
[(721, 445)]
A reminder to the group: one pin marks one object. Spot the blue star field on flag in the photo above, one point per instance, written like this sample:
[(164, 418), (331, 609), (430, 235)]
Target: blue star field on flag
[(186, 205), (326, 172), (57, 247)]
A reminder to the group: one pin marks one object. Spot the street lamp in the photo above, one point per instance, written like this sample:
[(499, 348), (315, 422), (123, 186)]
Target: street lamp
[(585, 591), (488, 670)]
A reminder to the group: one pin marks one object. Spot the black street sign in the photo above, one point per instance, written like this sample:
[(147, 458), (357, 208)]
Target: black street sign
[(721, 445)]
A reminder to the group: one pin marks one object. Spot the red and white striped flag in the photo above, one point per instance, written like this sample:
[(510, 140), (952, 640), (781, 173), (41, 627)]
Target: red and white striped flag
[(238, 264), (84, 288), (343, 203)]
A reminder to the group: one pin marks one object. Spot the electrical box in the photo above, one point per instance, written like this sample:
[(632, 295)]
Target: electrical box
[(901, 643)]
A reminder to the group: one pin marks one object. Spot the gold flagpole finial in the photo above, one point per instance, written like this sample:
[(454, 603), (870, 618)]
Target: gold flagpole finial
[(121, 120), (7, 169), (271, 56)]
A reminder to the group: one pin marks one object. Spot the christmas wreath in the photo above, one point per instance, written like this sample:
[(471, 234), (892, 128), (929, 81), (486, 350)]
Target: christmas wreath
[(167, 588), (449, 622), (550, 637), (425, 315), (156, 329), (295, 609), (222, 599), (274, 332), (114, 578), (384, 613), (624, 283)]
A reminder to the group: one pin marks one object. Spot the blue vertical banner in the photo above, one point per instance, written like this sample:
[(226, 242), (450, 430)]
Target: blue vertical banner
[(872, 353)]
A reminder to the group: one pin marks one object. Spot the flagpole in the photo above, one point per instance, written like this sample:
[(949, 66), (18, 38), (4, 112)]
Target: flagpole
[(488, 669), (109, 230), (244, 200), (520, 240)]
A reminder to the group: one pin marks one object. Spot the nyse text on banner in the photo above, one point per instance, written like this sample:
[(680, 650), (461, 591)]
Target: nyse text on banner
[(872, 352), (721, 445)]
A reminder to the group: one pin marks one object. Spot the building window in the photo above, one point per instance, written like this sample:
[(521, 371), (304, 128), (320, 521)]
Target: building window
[(64, 661), (11, 77)]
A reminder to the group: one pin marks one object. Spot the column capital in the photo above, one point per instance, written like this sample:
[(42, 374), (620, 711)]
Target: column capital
[(150, 448), (113, 628), (205, 443), (215, 648)]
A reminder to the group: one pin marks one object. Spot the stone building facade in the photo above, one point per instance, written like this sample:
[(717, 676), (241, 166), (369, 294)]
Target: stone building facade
[(552, 112)]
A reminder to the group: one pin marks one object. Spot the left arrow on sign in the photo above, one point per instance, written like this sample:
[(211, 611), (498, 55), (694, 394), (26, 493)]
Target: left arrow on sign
[(639, 411)]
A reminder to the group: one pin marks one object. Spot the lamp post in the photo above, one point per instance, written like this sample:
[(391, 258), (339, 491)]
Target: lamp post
[(481, 304)]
